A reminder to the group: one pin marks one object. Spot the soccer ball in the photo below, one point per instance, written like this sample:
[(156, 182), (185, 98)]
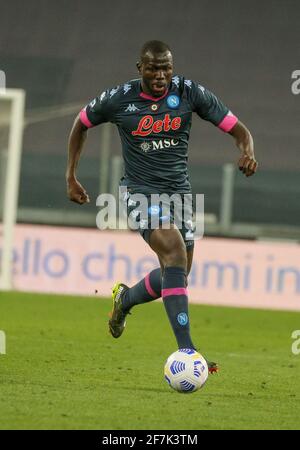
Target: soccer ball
[(186, 370)]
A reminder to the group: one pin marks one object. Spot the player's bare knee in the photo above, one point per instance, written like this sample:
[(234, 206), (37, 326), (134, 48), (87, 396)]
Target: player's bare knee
[(175, 262), (175, 256)]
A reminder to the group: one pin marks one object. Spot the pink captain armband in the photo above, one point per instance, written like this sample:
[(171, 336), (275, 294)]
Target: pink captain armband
[(84, 118), (228, 122)]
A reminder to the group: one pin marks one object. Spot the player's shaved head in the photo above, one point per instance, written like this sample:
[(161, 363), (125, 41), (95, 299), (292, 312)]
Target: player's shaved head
[(155, 67), (154, 48)]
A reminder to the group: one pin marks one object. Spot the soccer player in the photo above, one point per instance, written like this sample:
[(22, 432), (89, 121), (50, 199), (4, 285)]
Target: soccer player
[(153, 115)]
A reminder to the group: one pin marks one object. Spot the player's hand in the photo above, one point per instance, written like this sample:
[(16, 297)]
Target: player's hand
[(248, 165), (77, 193)]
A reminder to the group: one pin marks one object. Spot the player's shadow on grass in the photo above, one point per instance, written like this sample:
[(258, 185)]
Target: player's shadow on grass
[(147, 389), (144, 389)]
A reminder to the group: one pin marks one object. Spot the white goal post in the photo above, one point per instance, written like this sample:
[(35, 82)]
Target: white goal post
[(12, 103)]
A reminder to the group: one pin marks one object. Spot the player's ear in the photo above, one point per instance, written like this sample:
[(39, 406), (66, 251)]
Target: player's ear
[(139, 66)]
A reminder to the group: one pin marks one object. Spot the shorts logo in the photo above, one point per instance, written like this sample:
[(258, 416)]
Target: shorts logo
[(154, 210), (173, 101), (182, 318)]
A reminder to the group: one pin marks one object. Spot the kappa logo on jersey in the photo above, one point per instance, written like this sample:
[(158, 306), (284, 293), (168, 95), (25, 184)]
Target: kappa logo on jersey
[(147, 125), (188, 83), (126, 88), (131, 108), (176, 80), (173, 101), (102, 96), (113, 91)]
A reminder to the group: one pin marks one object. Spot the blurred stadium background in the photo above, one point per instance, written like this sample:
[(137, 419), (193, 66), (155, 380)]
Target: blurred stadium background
[(63, 53)]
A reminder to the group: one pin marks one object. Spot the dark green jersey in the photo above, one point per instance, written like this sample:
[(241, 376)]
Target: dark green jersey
[(155, 131)]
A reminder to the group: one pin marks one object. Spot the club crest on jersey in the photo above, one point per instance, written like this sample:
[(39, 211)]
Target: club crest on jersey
[(148, 125), (173, 101)]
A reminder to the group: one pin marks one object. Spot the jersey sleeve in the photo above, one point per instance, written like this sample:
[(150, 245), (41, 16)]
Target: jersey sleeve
[(210, 108), (100, 110)]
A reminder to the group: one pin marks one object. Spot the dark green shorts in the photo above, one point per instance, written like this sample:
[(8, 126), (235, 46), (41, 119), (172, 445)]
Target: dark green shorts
[(158, 212)]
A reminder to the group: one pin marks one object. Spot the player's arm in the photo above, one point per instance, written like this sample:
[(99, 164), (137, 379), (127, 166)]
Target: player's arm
[(210, 108), (98, 111), (78, 135), (244, 141)]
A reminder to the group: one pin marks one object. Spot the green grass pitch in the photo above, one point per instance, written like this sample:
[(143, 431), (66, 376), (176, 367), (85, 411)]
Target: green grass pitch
[(62, 370)]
